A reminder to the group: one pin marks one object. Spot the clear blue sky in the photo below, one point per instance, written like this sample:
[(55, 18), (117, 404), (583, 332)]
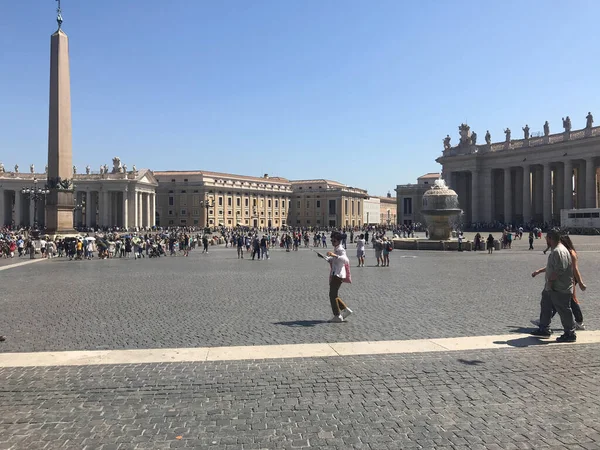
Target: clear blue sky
[(360, 92)]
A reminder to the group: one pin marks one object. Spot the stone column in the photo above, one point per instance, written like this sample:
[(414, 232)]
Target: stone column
[(125, 209), (568, 185), (147, 210), (547, 193), (2, 207), (526, 193), (590, 183), (507, 196), (140, 210), (475, 216), (135, 209), (89, 210), (487, 200), (106, 218), (153, 210)]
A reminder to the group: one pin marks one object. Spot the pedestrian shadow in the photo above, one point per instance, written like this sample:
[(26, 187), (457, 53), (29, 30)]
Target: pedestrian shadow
[(474, 362), (524, 342), (301, 323), (520, 330)]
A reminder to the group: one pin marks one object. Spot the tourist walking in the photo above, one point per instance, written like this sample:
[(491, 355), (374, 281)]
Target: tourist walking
[(378, 245), (531, 240), (360, 250), (338, 274), (387, 249), (490, 244), (558, 290)]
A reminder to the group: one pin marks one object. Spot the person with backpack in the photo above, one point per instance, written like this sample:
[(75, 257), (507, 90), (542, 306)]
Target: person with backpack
[(387, 249)]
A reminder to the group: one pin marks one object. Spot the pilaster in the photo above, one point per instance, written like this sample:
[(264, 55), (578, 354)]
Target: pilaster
[(568, 185), (507, 196), (475, 194), (125, 208), (487, 201), (526, 193), (590, 183), (547, 193)]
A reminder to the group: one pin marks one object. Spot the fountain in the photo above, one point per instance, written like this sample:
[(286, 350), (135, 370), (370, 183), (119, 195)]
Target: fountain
[(440, 206), (440, 211)]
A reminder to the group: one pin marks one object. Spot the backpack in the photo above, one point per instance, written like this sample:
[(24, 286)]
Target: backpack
[(389, 247)]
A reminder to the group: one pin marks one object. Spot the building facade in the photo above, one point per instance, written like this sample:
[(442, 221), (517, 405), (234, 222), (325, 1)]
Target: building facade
[(388, 210), (409, 199), (117, 198), (371, 210), (326, 203), (525, 180), (201, 198)]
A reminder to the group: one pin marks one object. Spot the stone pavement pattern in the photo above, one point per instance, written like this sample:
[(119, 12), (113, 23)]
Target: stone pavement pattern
[(218, 300), (531, 398)]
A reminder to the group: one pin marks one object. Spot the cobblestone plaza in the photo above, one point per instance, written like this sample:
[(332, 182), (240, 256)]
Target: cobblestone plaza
[(522, 395)]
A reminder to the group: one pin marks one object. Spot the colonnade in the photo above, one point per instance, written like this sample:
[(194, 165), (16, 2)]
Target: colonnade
[(526, 192), (124, 208)]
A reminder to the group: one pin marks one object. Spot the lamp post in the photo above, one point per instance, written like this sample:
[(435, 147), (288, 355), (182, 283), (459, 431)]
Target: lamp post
[(35, 193), (207, 204)]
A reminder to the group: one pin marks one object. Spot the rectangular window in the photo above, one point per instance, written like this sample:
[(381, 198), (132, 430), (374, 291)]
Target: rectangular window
[(332, 207), (407, 202), (220, 201), (358, 207), (308, 203), (238, 202), (268, 203), (246, 203), (283, 203), (228, 213), (276, 203), (352, 207), (318, 204), (254, 202), (183, 192), (229, 201), (183, 212), (346, 207), (171, 213), (196, 212), (171, 201), (298, 204)]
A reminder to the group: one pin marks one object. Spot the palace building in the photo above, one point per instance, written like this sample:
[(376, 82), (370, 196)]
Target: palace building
[(201, 198), (135, 199), (524, 180), (326, 203)]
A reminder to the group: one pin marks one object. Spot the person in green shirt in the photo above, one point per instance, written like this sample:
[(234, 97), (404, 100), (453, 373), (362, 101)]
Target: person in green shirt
[(558, 290)]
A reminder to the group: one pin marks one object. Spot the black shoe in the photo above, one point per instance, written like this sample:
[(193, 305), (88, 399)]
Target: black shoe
[(541, 333), (567, 338)]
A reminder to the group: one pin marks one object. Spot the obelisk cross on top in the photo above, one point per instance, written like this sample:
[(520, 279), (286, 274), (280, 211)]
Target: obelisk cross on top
[(59, 18)]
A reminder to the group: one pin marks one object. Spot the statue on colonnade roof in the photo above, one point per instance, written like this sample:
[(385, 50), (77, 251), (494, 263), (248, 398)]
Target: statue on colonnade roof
[(488, 138), (589, 120), (447, 145), (567, 124)]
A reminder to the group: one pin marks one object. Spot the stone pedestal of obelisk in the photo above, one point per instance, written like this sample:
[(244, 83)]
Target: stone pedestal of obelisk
[(59, 203)]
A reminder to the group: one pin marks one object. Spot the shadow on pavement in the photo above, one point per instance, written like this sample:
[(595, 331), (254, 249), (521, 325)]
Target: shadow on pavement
[(525, 342), (474, 362), (302, 323)]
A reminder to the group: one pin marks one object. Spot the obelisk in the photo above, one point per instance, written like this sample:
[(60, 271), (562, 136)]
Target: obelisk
[(59, 202)]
